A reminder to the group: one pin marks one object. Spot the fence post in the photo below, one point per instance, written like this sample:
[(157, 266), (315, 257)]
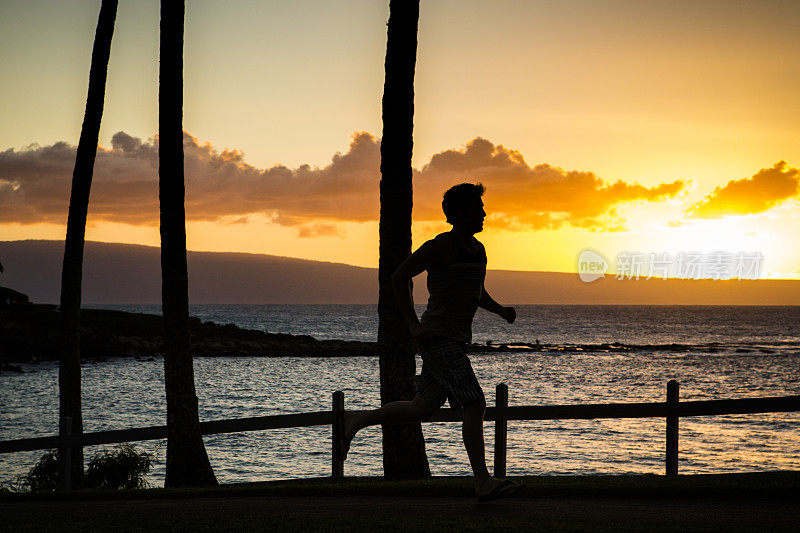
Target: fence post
[(500, 430), (337, 464), (672, 427), (65, 455)]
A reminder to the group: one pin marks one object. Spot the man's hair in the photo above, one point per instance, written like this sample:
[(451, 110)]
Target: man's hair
[(459, 197)]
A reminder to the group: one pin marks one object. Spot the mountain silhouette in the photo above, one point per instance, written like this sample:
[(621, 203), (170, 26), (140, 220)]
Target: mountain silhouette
[(127, 274)]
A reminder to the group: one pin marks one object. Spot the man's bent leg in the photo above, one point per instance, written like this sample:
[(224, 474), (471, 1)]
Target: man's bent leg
[(399, 412)]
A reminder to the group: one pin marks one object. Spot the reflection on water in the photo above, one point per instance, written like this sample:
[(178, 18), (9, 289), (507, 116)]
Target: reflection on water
[(129, 393)]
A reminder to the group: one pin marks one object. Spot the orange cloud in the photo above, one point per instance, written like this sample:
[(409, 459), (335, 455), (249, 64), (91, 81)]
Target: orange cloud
[(540, 197), (765, 189), (221, 186)]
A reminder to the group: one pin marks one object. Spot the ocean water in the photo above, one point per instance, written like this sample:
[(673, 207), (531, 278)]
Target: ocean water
[(730, 352)]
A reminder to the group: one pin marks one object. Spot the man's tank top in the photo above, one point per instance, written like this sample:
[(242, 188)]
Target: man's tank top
[(455, 290)]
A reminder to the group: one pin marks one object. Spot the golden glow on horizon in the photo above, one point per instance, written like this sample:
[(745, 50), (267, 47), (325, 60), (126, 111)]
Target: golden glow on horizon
[(544, 250)]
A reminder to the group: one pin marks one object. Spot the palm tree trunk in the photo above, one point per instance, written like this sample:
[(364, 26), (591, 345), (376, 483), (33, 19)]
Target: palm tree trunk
[(69, 371), (403, 446), (187, 460)]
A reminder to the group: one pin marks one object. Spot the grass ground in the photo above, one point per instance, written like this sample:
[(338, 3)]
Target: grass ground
[(756, 501)]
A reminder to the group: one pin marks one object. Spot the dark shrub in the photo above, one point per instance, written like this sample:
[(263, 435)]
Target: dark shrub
[(120, 468), (44, 476)]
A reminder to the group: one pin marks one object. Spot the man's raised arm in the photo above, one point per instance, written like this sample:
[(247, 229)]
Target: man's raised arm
[(488, 303)]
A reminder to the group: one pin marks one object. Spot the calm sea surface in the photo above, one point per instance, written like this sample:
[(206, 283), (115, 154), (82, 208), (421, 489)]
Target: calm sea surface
[(735, 352)]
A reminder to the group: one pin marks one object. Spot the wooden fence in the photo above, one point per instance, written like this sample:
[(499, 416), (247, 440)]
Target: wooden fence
[(672, 410)]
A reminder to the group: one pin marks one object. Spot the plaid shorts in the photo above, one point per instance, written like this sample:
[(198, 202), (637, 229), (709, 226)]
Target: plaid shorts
[(447, 374)]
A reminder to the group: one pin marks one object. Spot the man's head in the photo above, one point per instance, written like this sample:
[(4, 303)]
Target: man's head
[(463, 207)]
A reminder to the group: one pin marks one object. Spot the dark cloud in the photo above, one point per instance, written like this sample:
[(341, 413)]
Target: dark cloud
[(319, 230), (765, 189), (221, 186)]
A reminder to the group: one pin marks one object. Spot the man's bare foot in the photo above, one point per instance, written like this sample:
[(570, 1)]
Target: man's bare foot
[(349, 431), (491, 488)]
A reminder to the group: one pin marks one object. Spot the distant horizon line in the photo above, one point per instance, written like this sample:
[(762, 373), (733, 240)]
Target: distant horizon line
[(605, 276)]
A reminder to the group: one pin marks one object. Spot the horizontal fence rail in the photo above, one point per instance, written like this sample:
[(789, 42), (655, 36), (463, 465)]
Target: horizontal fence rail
[(774, 404), (213, 427), (672, 410)]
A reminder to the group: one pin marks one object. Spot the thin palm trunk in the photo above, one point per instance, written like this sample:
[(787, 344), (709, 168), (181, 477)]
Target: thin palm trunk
[(187, 460), (403, 446), (69, 371)]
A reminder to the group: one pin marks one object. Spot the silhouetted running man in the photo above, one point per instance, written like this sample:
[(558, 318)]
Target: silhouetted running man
[(456, 265)]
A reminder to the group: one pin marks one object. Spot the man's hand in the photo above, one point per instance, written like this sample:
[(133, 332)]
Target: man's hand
[(420, 333), (509, 314), (488, 303)]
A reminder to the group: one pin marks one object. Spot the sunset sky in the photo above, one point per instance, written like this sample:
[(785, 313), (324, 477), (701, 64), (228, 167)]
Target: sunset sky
[(616, 126)]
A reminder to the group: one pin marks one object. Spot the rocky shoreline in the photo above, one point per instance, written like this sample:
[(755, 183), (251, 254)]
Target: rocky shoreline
[(29, 333)]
